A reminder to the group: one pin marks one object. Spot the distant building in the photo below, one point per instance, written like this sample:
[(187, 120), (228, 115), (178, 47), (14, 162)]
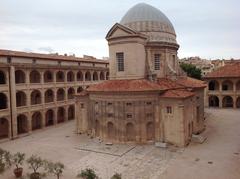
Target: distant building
[(224, 86)]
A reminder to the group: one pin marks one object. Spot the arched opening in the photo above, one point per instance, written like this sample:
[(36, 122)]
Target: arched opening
[(213, 101), (150, 131), (97, 128), (48, 76), (60, 94), (36, 97), (3, 101), (49, 96), (22, 124), (21, 99), (19, 76), (71, 112), (36, 121), (2, 78), (49, 117), (227, 85), (80, 89), (130, 132), (35, 77), (238, 86), (238, 102), (79, 76), (88, 76), (70, 76), (110, 131), (95, 76), (101, 75), (227, 102), (71, 92), (3, 128), (107, 75), (60, 115), (60, 76), (213, 85)]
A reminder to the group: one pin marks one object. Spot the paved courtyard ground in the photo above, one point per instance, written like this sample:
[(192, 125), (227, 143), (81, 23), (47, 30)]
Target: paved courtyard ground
[(218, 157)]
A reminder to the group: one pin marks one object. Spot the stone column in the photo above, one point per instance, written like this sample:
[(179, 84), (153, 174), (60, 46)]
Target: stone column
[(55, 116), (66, 113), (220, 101), (157, 122)]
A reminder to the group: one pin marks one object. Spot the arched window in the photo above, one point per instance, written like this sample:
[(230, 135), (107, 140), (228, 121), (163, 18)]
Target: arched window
[(49, 116), (21, 99), (101, 75), (71, 93), (238, 102), (107, 76), (49, 96), (95, 76), (36, 121), (150, 131), (60, 94), (130, 132), (3, 128), (36, 97), (2, 78), (60, 76), (227, 85), (71, 112), (238, 86), (213, 85), (80, 89), (213, 101), (110, 131), (35, 77), (79, 76), (227, 101), (70, 76), (3, 101), (60, 115), (48, 76), (88, 76), (19, 76), (22, 124)]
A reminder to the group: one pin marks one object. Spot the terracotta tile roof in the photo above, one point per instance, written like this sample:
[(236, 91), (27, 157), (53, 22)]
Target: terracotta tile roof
[(168, 84), (126, 85), (190, 82), (49, 56), (177, 93), (230, 70)]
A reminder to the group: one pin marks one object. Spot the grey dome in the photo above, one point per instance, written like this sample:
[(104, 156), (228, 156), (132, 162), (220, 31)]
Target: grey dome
[(150, 21)]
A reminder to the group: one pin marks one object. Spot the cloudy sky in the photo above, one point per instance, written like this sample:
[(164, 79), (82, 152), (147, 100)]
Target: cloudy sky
[(206, 28)]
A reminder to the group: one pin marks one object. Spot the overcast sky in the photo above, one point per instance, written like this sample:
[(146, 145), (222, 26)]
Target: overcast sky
[(205, 28)]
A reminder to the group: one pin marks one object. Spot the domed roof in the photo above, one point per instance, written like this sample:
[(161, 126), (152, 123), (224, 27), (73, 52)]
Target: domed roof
[(151, 21)]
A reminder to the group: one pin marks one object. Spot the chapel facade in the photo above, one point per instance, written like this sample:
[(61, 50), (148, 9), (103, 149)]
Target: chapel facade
[(147, 98)]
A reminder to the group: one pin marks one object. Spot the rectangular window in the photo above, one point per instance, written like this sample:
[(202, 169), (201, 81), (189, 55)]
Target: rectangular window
[(110, 114), (129, 116), (129, 104), (157, 61), (82, 105), (120, 61), (169, 110)]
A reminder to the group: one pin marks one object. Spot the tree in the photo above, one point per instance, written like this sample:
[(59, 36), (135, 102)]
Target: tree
[(191, 70), (5, 160), (88, 173), (35, 163), (55, 168), (116, 176)]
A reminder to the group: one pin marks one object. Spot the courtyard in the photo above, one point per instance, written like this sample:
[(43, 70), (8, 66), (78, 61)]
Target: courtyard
[(218, 157)]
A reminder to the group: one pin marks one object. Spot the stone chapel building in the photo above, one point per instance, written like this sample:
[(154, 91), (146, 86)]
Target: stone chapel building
[(148, 98)]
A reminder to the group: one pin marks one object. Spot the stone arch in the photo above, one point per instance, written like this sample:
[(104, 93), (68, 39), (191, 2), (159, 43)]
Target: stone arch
[(227, 101), (97, 128), (95, 76), (36, 97), (80, 89), (88, 76), (4, 127), (213, 101), (150, 131), (107, 76), (238, 102), (79, 76), (60, 114), (60, 94), (48, 76), (19, 76), (227, 85), (130, 132), (49, 96), (238, 86), (71, 93), (110, 131), (36, 121), (101, 75), (70, 76), (60, 76), (213, 85), (21, 99), (35, 76), (22, 124), (71, 112), (3, 101), (49, 117), (2, 78)]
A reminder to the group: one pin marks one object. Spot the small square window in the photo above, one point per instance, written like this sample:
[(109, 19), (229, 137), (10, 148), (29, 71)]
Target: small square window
[(82, 105), (149, 103), (129, 104), (129, 116), (149, 115), (110, 114), (109, 104), (169, 109)]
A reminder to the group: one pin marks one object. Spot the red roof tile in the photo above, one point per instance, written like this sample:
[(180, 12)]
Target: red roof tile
[(177, 93), (126, 85), (191, 82), (49, 56), (230, 70), (168, 84)]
